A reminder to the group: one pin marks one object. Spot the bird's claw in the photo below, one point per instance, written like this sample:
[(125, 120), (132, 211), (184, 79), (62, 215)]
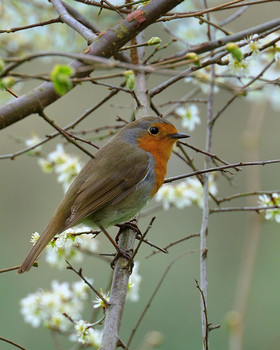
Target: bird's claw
[(128, 225)]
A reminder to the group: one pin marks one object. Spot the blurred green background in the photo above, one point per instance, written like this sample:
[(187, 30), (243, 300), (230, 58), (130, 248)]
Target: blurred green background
[(28, 197)]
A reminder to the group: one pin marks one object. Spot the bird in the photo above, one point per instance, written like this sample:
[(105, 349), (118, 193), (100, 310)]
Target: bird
[(116, 183)]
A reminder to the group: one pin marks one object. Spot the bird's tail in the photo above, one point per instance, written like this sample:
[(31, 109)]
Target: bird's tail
[(55, 226), (36, 251)]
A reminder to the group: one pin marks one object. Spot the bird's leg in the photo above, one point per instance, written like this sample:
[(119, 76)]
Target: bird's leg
[(128, 225), (120, 252)]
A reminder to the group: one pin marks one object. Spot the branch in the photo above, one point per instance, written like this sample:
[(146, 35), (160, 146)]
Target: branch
[(174, 243), (245, 194), (12, 343), (105, 45), (55, 134), (72, 22), (222, 168), (64, 133), (80, 274), (214, 44), (205, 213), (257, 209), (28, 26)]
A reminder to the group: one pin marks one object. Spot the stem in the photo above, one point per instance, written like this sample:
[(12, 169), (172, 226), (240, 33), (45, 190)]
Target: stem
[(205, 214)]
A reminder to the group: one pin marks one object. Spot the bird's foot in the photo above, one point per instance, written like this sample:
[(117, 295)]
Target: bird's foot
[(129, 225)]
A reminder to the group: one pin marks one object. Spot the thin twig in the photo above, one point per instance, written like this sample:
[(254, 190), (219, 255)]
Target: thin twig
[(205, 312), (12, 343), (222, 168), (141, 240), (245, 194), (64, 133), (257, 209), (40, 24), (80, 274), (10, 269), (222, 7), (214, 156), (174, 243)]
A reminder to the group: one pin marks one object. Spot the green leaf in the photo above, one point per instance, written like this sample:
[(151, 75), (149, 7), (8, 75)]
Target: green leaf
[(154, 41), (61, 78), (6, 83), (130, 79), (235, 51)]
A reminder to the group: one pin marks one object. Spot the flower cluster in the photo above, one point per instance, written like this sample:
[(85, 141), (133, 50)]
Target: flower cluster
[(245, 61), (66, 166), (64, 246), (84, 334), (189, 116), (47, 307), (59, 309), (270, 201), (184, 194)]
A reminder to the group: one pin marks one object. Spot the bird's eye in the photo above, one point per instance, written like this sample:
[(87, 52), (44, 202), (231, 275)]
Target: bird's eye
[(153, 130)]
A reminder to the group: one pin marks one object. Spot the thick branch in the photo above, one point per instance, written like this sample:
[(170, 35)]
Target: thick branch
[(105, 45), (118, 293)]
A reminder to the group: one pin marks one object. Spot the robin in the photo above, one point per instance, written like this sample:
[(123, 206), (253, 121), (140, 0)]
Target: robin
[(117, 183)]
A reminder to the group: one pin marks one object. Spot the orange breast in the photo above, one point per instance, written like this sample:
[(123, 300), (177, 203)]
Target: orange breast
[(161, 149)]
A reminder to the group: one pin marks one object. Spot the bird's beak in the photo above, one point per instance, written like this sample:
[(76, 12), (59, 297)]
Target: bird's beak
[(179, 135)]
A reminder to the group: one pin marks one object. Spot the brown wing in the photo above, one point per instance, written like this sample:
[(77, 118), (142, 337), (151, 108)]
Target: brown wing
[(110, 182)]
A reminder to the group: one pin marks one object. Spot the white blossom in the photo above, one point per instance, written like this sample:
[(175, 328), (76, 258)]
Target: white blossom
[(94, 338), (189, 115), (68, 171), (165, 195), (82, 330), (241, 67), (86, 335), (81, 289), (33, 141), (30, 309), (98, 302), (269, 201), (186, 193), (46, 166), (58, 156), (65, 246), (34, 237), (46, 307)]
